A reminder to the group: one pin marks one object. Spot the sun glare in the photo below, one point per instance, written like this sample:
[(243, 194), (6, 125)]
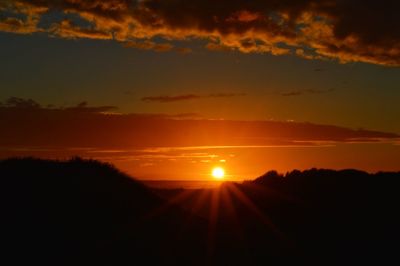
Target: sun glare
[(218, 173)]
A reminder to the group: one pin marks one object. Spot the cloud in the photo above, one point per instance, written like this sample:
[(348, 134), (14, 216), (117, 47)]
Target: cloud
[(167, 99), (186, 97), (212, 46), (84, 107), (149, 45), (344, 30), (16, 25), (306, 91), (15, 102), (157, 47), (66, 29), (25, 123), (20, 105)]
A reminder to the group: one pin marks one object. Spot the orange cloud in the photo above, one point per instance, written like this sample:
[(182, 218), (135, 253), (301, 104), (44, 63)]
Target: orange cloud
[(218, 47), (66, 29), (149, 45), (348, 31)]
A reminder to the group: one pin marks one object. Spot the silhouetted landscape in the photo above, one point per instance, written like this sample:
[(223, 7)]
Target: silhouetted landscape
[(86, 211)]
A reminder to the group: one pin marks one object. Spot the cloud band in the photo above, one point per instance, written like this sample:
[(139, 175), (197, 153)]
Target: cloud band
[(345, 30)]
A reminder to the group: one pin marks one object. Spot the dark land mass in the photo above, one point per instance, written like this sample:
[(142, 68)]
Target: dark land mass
[(87, 212)]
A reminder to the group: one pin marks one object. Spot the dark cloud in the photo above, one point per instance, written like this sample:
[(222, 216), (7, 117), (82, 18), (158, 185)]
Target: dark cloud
[(167, 99), (27, 124), (186, 97), (15, 102), (84, 107), (304, 92), (20, 105), (346, 30)]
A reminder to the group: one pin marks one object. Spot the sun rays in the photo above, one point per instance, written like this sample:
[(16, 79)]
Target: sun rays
[(217, 205)]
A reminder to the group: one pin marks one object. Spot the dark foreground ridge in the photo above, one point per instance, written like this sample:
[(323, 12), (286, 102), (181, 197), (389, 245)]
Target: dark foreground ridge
[(84, 211)]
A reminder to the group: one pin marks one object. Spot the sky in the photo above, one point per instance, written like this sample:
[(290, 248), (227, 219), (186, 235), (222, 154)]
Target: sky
[(169, 89)]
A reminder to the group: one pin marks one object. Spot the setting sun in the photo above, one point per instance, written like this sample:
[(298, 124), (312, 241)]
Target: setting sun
[(218, 173)]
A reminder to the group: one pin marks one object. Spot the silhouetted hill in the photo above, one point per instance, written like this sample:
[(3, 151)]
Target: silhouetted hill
[(86, 211), (83, 211), (312, 217)]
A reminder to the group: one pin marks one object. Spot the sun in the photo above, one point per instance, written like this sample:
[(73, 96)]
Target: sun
[(218, 173)]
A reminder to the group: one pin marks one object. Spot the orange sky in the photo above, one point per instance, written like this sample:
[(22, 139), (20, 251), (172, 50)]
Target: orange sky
[(170, 89), (181, 147)]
